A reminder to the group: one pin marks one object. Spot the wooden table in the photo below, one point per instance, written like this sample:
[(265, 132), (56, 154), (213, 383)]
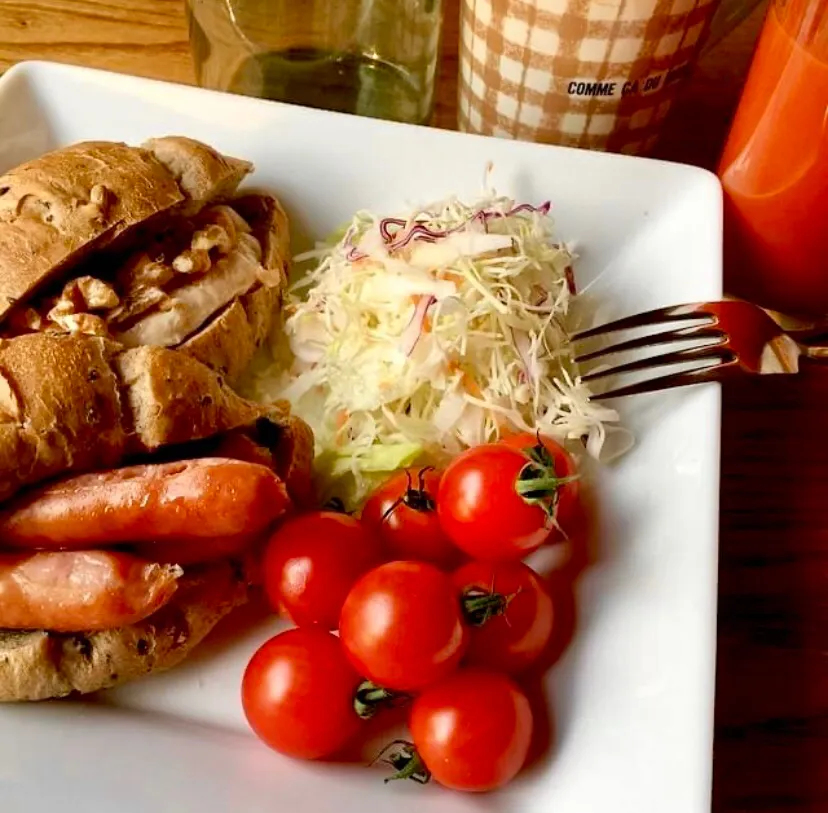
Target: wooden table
[(771, 751)]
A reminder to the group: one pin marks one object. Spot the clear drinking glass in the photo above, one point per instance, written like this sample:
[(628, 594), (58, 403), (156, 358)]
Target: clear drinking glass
[(375, 58)]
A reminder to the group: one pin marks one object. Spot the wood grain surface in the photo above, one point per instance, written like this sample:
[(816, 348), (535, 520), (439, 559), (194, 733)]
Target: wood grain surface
[(771, 750)]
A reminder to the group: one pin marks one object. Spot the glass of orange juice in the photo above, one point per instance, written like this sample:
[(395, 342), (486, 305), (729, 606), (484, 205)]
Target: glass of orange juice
[(774, 168)]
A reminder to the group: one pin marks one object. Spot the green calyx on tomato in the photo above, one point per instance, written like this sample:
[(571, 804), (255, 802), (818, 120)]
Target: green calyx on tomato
[(481, 605), (417, 499), (370, 698), (402, 756), (538, 482)]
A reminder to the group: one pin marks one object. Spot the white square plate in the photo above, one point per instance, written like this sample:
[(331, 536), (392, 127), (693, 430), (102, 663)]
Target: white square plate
[(632, 699)]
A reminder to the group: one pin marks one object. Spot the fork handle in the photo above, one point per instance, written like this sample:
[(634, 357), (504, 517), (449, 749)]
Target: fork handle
[(817, 352), (813, 343)]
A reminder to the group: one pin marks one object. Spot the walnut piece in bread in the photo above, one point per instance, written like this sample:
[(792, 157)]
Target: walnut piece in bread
[(166, 273)]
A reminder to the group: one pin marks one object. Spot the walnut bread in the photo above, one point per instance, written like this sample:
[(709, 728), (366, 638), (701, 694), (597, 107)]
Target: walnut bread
[(142, 245), (42, 665), (136, 284)]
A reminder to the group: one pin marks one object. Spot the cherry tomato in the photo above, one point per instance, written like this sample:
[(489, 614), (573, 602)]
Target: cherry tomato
[(312, 561), (562, 463), (473, 730), (513, 639), (403, 513), (495, 503), (298, 692), (402, 625)]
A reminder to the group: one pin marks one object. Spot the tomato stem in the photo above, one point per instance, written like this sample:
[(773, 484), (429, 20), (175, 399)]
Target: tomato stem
[(481, 605), (402, 756), (370, 698), (537, 483), (417, 499), (540, 454), (541, 487)]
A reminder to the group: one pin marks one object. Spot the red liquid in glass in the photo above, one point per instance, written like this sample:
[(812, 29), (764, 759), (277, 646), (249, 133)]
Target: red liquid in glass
[(774, 169)]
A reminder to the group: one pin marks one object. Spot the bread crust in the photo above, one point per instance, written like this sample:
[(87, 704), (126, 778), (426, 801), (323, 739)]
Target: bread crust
[(173, 398), (270, 226), (63, 208), (227, 343), (231, 339), (202, 173), (70, 404), (42, 665), (58, 209), (62, 409)]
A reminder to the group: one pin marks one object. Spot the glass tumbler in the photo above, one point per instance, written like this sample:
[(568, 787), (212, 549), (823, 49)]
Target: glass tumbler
[(774, 169), (374, 58)]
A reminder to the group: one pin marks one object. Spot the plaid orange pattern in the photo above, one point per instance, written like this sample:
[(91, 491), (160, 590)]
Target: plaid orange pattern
[(599, 74)]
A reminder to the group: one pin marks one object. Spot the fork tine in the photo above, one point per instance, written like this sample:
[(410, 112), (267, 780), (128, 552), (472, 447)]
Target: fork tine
[(706, 352), (674, 313), (666, 382), (665, 337)]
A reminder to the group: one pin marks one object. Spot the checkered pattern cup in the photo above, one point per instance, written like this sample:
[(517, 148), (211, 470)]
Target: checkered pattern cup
[(599, 74)]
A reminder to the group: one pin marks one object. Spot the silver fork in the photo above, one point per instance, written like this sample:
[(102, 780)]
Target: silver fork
[(720, 341)]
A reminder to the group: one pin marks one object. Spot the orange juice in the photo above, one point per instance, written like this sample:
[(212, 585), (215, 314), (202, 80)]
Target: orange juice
[(774, 169)]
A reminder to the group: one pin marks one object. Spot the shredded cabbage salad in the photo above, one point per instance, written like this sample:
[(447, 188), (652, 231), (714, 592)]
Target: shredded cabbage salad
[(415, 337)]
